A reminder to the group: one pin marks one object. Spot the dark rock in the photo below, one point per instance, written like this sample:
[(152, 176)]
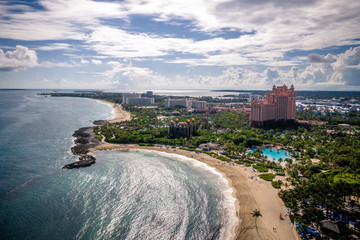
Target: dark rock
[(83, 132), (85, 160), (79, 149), (85, 139), (100, 122)]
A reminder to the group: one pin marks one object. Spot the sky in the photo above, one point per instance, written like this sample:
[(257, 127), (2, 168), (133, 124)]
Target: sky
[(180, 44)]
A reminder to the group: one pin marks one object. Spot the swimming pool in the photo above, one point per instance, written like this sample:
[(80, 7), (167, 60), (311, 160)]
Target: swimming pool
[(274, 154)]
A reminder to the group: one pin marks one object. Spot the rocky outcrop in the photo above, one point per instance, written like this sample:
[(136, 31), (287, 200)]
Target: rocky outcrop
[(84, 161), (100, 122), (85, 139)]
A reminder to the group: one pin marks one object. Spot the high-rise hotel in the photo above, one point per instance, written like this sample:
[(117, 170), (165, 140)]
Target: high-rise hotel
[(277, 106)]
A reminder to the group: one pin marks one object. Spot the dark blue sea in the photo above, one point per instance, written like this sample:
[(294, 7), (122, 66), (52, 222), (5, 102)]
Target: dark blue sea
[(125, 195)]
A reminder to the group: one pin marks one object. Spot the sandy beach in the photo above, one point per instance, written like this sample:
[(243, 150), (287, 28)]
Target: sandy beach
[(119, 112), (250, 194)]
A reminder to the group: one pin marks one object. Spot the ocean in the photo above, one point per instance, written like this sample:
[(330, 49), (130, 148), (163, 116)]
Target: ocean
[(125, 195)]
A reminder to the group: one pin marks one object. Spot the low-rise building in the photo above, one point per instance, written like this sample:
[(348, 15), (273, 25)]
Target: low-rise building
[(209, 146)]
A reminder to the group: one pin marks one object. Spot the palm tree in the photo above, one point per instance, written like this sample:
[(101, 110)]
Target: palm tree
[(256, 213)]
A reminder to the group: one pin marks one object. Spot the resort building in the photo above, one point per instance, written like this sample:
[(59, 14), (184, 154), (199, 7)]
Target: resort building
[(199, 105), (182, 129), (178, 103), (136, 99), (140, 101), (126, 96), (277, 106), (185, 103)]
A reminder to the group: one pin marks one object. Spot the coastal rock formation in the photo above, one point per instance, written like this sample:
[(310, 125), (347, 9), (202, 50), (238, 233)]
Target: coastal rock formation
[(84, 161), (85, 139), (100, 122)]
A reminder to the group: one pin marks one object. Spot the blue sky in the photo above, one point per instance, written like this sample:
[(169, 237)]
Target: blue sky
[(188, 44)]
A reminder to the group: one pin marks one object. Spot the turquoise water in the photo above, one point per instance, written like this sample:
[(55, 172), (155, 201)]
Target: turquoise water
[(125, 195), (274, 154)]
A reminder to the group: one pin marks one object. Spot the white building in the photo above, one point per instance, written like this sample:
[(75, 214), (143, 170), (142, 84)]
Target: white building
[(199, 105), (125, 96), (181, 102), (140, 101)]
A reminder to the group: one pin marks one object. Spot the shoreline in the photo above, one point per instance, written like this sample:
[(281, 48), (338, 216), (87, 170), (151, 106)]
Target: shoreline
[(249, 194), (119, 114), (230, 231)]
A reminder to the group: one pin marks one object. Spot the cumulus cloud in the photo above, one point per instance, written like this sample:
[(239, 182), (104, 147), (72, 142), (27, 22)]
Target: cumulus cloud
[(346, 68), (123, 75), (272, 73), (19, 59), (317, 58)]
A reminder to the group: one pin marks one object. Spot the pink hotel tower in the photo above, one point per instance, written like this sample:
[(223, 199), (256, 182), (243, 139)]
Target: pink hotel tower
[(279, 106)]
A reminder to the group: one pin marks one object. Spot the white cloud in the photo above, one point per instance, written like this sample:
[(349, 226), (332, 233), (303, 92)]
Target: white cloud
[(96, 62), (267, 32), (57, 20), (124, 75), (317, 58), (346, 67), (48, 64), (19, 59), (270, 28), (23, 58), (331, 75), (55, 46)]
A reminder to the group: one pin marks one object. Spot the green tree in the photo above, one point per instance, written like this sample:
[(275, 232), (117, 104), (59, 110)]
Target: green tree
[(256, 213)]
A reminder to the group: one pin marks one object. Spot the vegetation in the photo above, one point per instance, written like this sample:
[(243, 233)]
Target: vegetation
[(276, 184), (260, 168), (267, 176)]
